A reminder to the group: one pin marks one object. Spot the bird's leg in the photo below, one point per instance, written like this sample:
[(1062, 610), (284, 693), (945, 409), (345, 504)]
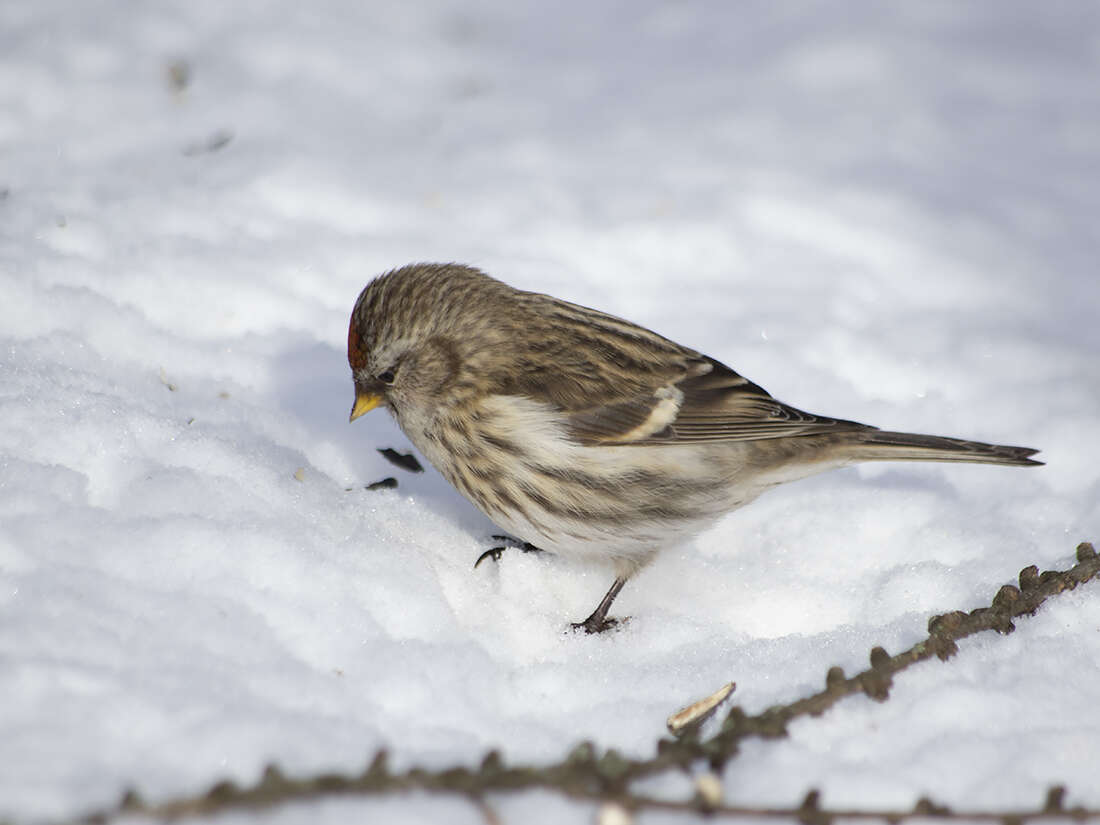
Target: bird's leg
[(598, 621), (507, 542)]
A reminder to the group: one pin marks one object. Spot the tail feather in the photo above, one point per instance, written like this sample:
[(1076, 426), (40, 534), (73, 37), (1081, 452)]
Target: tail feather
[(880, 445)]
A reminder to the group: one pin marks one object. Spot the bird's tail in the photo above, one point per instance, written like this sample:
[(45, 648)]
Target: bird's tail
[(880, 445)]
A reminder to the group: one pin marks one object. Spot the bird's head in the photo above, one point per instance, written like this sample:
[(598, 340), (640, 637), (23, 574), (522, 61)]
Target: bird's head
[(404, 338)]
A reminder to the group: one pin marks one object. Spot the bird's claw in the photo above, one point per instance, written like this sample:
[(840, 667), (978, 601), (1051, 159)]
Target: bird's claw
[(518, 544), (597, 625), (495, 553)]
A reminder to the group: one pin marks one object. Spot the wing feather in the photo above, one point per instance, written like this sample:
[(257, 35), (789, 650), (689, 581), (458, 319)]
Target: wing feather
[(718, 405), (620, 383)]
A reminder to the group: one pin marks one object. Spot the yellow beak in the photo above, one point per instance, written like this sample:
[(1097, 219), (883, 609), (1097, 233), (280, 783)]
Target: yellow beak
[(364, 403)]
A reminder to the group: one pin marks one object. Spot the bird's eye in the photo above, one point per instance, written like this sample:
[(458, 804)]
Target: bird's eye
[(387, 377)]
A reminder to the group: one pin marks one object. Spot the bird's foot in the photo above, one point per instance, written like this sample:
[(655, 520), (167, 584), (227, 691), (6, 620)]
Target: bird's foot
[(599, 621), (594, 625), (507, 542)]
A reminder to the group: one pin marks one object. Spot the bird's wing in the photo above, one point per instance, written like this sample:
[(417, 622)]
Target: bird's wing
[(619, 383), (712, 403)]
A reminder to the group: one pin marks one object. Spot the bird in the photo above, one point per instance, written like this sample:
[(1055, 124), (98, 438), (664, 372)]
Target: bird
[(586, 435)]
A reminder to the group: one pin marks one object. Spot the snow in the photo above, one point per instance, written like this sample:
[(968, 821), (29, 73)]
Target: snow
[(880, 212)]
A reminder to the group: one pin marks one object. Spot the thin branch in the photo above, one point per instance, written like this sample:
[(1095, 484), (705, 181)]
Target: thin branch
[(589, 774)]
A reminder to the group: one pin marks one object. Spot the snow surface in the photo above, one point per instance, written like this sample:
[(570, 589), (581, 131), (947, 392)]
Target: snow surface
[(884, 212)]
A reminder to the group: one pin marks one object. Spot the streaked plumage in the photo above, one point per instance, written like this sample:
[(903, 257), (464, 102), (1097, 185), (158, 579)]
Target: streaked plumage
[(585, 434)]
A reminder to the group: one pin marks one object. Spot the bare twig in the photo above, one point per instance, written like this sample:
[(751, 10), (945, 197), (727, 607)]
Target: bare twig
[(589, 774)]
